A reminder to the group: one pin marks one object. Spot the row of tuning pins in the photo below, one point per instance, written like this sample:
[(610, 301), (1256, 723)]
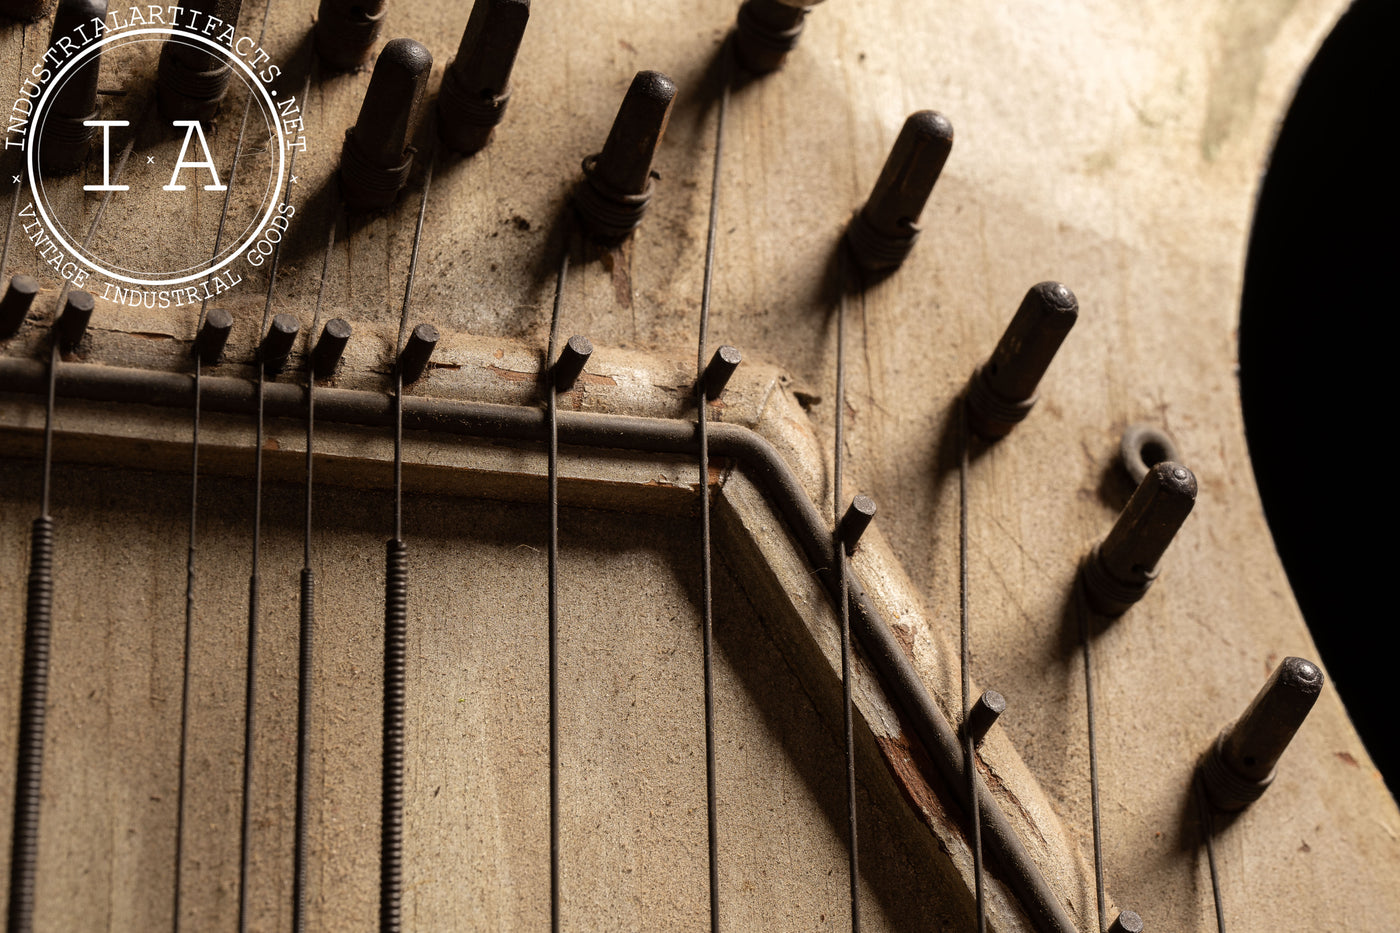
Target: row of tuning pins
[(613, 196), (1241, 762), (611, 201), (377, 155), (275, 349), (191, 82), (617, 185), (273, 352)]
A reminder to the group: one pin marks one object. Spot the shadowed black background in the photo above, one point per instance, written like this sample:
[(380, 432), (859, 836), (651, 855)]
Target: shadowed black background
[(1314, 327)]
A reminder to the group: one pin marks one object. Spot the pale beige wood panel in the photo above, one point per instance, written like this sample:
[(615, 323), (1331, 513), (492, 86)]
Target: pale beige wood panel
[(1114, 148), (476, 842)]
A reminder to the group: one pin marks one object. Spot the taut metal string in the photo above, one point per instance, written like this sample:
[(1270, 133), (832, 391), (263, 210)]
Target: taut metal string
[(844, 597), (706, 559), (1085, 624), (396, 629), (306, 655), (38, 629), (552, 401), (250, 693), (190, 553), (250, 696), (1208, 831), (969, 744)]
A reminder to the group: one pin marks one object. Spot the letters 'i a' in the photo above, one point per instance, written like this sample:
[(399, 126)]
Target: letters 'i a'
[(193, 132)]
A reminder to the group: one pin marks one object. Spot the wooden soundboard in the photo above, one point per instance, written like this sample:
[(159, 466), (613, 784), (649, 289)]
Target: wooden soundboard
[(1113, 148)]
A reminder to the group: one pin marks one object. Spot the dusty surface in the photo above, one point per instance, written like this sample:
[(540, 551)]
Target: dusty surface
[(1113, 149), (477, 852)]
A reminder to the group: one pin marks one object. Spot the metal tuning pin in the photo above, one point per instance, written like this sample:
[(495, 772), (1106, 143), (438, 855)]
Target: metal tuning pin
[(413, 361), (277, 345), (767, 30), (884, 231), (1120, 570), (1126, 922), (983, 715), (721, 367), (378, 151), (346, 31), (886, 227), (476, 86), (859, 514), (1241, 764), (15, 305), (569, 366), (616, 184), (213, 334), (330, 346), (192, 82), (1003, 390), (72, 323), (64, 140)]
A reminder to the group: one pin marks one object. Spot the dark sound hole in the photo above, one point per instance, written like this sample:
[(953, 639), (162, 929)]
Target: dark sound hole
[(1312, 360)]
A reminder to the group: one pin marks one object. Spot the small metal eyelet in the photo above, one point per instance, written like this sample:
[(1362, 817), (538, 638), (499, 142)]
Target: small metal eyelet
[(1144, 446)]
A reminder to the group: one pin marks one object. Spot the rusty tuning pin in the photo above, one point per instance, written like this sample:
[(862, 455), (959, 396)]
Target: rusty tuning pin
[(476, 86), (767, 30), (190, 81), (616, 184), (720, 368), (276, 346), (213, 334), (1241, 764), (859, 514), (984, 714), (413, 361), (1120, 570), (1003, 390), (330, 346), (884, 231), (1126, 922), (73, 321), (19, 296), (572, 359), (346, 31), (378, 151), (64, 140)]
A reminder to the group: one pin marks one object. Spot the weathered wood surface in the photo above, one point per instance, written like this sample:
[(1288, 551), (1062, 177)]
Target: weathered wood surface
[(1115, 149)]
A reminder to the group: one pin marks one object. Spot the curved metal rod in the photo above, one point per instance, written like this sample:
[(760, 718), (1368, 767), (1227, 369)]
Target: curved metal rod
[(759, 459)]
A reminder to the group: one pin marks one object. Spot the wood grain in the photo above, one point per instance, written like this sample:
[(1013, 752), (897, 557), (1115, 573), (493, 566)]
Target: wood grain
[(1113, 148)]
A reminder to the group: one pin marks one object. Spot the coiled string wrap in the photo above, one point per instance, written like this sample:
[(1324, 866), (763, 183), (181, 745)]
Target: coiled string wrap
[(395, 665), (38, 626), (307, 627)]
